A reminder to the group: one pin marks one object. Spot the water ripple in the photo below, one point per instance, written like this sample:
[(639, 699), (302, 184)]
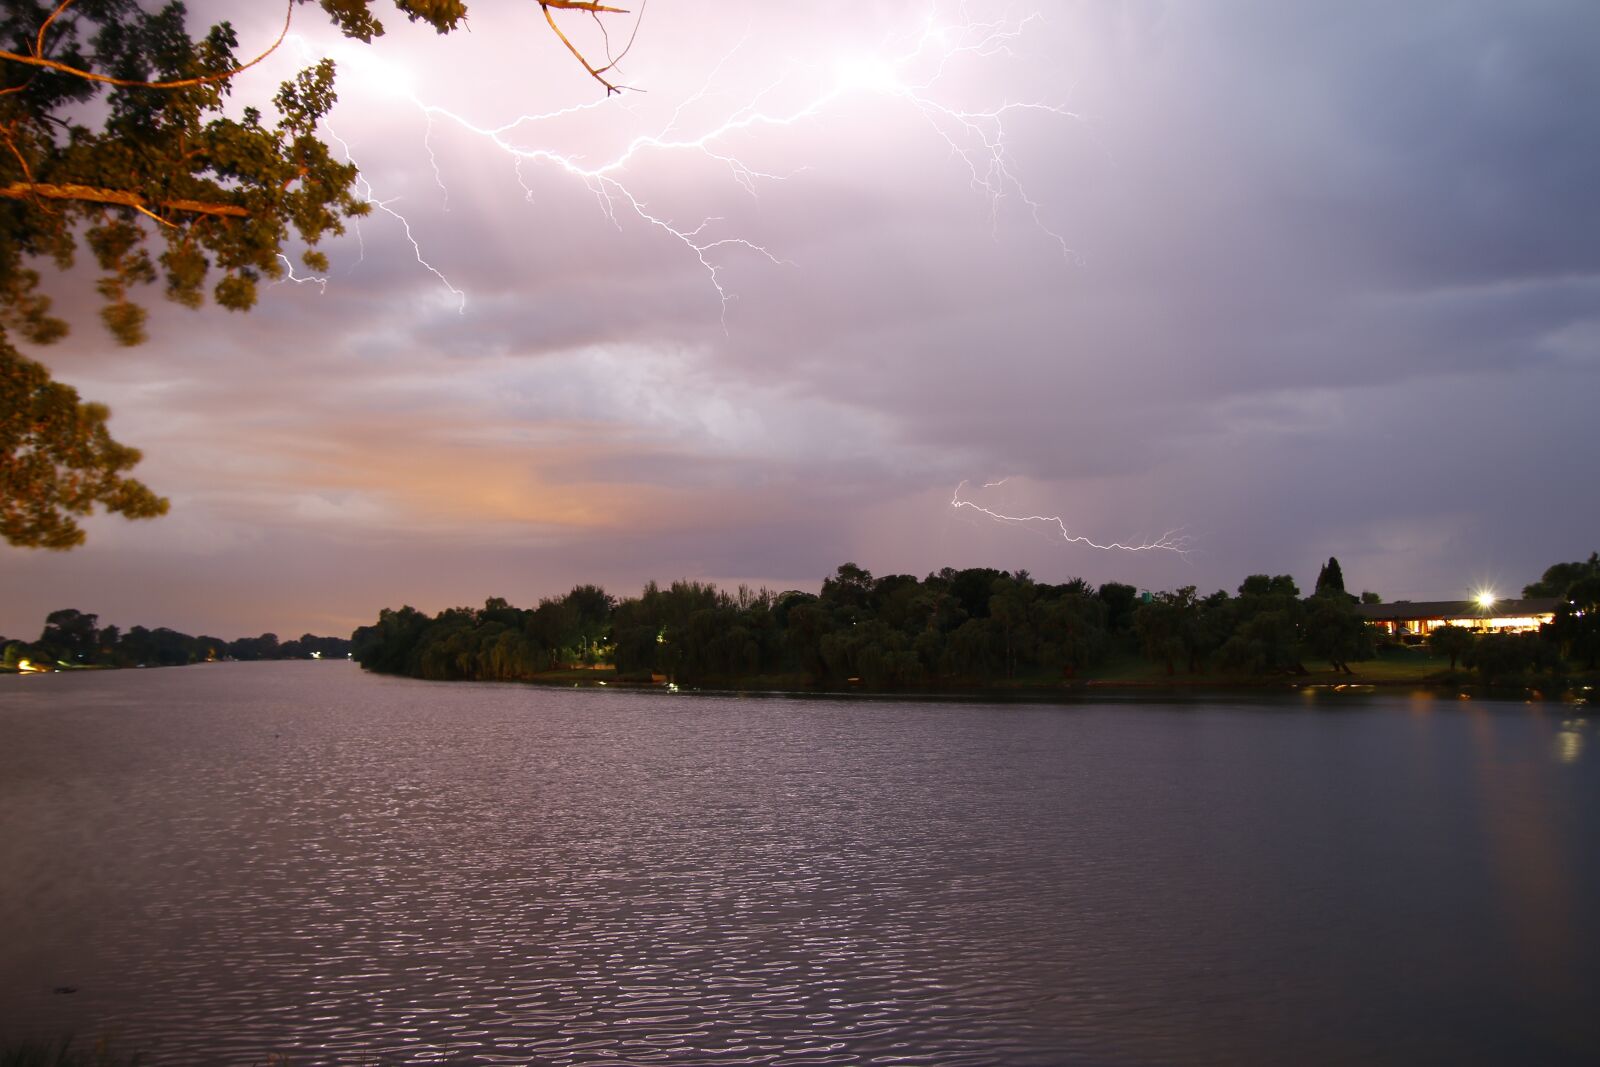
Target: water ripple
[(325, 867)]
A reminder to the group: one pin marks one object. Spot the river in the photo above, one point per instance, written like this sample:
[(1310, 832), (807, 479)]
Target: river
[(300, 862)]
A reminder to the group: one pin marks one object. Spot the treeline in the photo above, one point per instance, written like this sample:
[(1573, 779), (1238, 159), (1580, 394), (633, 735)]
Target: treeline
[(74, 639), (954, 627)]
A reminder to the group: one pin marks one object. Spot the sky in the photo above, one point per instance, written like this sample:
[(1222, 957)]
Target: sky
[(1283, 280)]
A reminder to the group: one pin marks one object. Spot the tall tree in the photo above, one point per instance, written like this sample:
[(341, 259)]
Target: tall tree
[(1335, 631), (1120, 600), (71, 634), (1330, 579), (1266, 635), (849, 589)]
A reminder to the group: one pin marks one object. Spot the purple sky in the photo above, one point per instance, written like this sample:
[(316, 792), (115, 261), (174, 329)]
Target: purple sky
[(1303, 280)]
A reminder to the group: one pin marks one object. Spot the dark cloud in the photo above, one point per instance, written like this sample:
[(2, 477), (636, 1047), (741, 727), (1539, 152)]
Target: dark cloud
[(1327, 287)]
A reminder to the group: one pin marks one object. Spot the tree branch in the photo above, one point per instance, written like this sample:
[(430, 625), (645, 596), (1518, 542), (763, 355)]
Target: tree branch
[(128, 83), (613, 60), (38, 44), (581, 5), (22, 161), (38, 60), (120, 197)]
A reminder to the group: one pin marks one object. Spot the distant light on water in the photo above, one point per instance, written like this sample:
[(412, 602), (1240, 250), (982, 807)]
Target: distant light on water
[(1569, 746)]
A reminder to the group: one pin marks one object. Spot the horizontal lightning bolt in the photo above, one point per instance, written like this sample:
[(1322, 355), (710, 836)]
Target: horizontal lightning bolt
[(1171, 541)]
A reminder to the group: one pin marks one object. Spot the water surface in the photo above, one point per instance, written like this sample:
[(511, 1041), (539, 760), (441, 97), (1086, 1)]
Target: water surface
[(230, 862)]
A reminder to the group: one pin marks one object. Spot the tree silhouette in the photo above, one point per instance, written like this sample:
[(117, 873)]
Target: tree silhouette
[(113, 137)]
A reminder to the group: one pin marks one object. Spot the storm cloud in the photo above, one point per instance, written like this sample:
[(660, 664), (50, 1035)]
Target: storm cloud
[(1304, 280)]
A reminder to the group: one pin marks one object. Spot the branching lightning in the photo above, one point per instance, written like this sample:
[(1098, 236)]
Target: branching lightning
[(978, 138), (914, 75), (386, 207), (319, 280), (1171, 541)]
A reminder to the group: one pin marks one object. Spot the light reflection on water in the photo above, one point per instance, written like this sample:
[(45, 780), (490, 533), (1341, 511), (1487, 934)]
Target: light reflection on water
[(240, 860)]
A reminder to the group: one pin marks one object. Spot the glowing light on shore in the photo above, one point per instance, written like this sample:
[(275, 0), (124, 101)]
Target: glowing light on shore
[(1485, 598)]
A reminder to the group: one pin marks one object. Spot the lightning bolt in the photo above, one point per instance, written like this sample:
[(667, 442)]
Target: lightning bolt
[(1171, 541), (978, 138), (320, 281)]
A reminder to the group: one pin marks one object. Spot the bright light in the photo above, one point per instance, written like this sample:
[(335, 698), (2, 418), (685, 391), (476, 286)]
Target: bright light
[(869, 73), (375, 74), (976, 135), (1485, 599)]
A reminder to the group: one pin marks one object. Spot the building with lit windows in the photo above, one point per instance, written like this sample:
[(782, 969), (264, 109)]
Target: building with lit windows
[(1416, 619)]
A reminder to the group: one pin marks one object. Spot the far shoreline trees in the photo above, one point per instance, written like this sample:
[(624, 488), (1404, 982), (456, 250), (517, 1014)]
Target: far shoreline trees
[(952, 629), (73, 638)]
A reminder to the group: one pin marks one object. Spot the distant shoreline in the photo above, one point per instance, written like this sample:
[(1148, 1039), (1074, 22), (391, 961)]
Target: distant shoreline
[(1578, 688)]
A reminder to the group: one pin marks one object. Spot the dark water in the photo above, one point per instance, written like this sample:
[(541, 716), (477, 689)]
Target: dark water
[(236, 862)]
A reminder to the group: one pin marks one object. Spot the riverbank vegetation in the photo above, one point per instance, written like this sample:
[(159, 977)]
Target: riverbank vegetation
[(74, 639), (64, 1053), (962, 629)]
